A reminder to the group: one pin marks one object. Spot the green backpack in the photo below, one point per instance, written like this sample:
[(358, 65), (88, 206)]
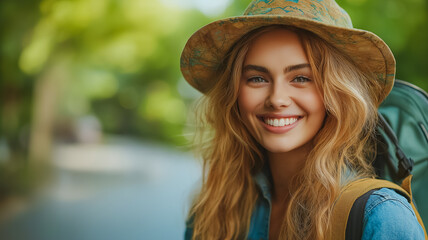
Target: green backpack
[(402, 150), (403, 141)]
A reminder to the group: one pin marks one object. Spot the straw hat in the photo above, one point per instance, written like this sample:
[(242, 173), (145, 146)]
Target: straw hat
[(207, 47)]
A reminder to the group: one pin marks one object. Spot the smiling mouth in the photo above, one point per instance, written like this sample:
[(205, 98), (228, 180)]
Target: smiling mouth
[(279, 122)]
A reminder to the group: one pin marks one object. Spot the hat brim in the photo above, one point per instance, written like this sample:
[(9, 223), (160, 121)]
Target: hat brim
[(207, 47)]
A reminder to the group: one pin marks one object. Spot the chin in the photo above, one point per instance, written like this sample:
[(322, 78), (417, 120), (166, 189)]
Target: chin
[(279, 149), (297, 146)]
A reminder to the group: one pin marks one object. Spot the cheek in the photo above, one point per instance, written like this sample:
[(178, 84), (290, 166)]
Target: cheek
[(319, 105), (246, 101), (250, 101), (315, 105)]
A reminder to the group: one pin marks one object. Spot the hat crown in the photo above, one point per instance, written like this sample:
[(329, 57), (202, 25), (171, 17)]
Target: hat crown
[(325, 11)]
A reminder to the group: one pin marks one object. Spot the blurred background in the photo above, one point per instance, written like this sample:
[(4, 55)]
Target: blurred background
[(94, 128)]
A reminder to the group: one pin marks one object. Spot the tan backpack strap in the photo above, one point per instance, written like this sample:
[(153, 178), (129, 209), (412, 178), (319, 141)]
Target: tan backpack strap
[(406, 185), (351, 192)]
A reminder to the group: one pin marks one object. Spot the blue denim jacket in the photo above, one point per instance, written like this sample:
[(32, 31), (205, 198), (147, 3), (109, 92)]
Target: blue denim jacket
[(387, 215)]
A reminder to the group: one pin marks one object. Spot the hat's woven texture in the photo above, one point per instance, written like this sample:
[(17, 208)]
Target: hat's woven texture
[(207, 47)]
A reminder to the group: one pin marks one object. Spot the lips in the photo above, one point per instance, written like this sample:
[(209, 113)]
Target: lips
[(279, 124)]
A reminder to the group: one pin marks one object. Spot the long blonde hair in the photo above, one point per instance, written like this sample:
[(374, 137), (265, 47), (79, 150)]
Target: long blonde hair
[(231, 156)]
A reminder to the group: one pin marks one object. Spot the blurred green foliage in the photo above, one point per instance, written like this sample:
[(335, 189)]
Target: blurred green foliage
[(15, 86), (118, 60), (121, 62), (403, 25)]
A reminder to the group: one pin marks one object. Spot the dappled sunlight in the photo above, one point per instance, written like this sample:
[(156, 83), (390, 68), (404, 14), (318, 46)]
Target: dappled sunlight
[(98, 84), (105, 48), (161, 105), (208, 7), (84, 71)]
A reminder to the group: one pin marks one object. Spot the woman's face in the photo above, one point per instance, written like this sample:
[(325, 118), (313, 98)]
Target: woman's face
[(278, 98)]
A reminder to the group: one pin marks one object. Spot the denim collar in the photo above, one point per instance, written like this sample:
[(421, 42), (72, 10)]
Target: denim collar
[(262, 179)]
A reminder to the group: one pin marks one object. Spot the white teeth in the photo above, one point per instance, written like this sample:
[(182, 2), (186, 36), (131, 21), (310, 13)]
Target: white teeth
[(279, 122)]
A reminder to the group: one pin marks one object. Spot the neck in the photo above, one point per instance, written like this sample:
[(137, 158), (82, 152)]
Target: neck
[(283, 167)]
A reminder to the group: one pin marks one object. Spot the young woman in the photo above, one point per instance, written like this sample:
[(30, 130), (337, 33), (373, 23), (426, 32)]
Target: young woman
[(287, 120)]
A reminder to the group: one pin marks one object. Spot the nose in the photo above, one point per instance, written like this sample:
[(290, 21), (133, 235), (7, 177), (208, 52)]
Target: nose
[(278, 98)]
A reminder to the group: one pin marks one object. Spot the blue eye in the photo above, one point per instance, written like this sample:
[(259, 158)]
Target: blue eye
[(256, 80), (301, 79)]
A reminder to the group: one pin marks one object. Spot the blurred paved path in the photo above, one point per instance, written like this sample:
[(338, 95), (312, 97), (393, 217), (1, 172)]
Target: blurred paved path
[(123, 190)]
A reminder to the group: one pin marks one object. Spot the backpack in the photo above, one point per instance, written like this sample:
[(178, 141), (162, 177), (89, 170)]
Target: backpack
[(403, 140), (348, 210), (402, 150)]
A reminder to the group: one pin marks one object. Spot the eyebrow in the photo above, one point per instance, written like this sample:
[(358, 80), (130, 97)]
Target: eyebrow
[(255, 67), (296, 67), (286, 69)]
